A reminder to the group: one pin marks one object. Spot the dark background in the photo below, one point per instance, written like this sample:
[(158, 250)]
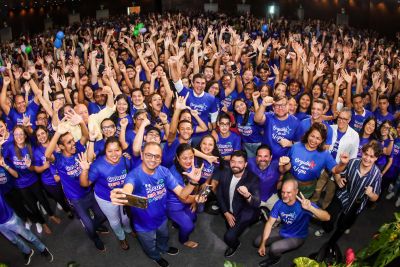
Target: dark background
[(29, 15)]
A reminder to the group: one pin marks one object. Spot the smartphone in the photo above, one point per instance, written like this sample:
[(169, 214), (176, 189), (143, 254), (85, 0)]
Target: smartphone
[(137, 201), (206, 191)]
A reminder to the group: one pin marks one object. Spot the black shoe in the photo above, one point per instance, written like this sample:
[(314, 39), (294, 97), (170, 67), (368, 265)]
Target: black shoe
[(27, 257), (172, 251), (102, 230), (269, 262), (99, 245), (47, 254), (162, 263), (229, 252)]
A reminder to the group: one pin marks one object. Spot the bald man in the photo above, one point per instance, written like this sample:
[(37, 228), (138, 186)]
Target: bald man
[(295, 213)]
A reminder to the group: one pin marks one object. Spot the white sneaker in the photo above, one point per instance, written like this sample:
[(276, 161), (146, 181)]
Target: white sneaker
[(41, 208), (390, 195), (28, 225), (347, 231), (319, 233), (39, 228), (59, 206), (397, 204)]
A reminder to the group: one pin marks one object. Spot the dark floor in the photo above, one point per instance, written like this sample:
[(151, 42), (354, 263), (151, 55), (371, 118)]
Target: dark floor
[(69, 243)]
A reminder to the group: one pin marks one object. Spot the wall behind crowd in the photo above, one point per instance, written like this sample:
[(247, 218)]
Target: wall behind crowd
[(380, 15)]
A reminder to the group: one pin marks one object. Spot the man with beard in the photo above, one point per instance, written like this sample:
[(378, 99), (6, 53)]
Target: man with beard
[(267, 169), (295, 213), (238, 197), (69, 170)]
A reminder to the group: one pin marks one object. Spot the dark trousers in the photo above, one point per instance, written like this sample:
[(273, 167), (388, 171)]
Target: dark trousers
[(15, 200), (185, 219), (243, 220), (82, 207), (33, 194), (56, 193), (345, 220)]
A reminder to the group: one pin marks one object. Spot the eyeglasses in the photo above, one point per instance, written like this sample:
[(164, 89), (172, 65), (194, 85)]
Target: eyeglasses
[(150, 156), (343, 119), (281, 106), (224, 124)]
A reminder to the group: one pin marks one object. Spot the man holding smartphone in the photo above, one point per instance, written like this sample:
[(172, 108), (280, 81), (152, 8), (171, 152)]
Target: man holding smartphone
[(151, 180)]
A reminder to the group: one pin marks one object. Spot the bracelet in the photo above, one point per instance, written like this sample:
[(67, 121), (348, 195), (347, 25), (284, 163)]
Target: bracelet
[(193, 183), (6, 167)]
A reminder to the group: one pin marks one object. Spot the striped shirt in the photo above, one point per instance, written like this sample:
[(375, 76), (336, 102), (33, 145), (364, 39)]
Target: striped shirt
[(355, 186)]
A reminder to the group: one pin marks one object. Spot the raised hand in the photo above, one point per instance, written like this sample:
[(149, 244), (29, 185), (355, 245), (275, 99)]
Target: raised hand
[(195, 173), (73, 117), (26, 120), (285, 142), (180, 103), (305, 203), (83, 161), (244, 191), (118, 197), (284, 160), (268, 101), (124, 122)]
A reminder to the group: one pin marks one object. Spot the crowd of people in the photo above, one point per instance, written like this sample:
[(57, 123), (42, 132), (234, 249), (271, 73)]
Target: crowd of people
[(237, 116)]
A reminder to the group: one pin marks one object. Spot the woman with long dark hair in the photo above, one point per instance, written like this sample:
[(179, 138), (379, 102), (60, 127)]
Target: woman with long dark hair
[(181, 211), (122, 111), (249, 131), (47, 171), (18, 156), (367, 133), (306, 159), (108, 172)]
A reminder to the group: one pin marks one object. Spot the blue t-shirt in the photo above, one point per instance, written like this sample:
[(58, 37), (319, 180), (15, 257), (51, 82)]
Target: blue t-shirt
[(25, 176), (173, 201), (31, 110), (380, 118), (5, 210), (294, 219), (396, 152), (383, 159), (94, 108), (306, 124), (251, 132), (6, 181), (268, 177), (107, 176), (357, 120), (275, 130), (154, 187), (68, 169), (169, 152), (48, 175), (335, 147), (227, 101), (302, 115), (205, 105), (128, 128), (99, 147), (228, 145), (307, 165)]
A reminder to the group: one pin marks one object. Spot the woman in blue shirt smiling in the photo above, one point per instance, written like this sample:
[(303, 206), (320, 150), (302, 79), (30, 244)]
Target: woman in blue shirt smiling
[(108, 172), (306, 159)]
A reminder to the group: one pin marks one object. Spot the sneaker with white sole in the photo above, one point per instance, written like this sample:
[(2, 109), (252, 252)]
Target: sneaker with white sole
[(28, 257), (397, 204), (39, 228), (347, 231), (319, 233), (59, 206), (28, 225), (390, 195)]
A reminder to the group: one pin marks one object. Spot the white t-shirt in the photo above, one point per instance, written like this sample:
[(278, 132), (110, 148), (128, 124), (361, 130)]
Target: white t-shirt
[(232, 188)]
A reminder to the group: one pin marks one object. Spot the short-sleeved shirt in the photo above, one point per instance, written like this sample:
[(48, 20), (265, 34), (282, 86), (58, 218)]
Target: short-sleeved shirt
[(294, 219), (357, 120), (68, 169), (31, 111), (250, 132), (307, 165), (107, 176), (227, 145), (268, 177), (39, 160), (154, 187), (275, 130)]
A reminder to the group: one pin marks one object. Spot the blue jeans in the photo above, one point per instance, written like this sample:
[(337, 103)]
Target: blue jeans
[(119, 221), (185, 218), (155, 242), (82, 207), (14, 228)]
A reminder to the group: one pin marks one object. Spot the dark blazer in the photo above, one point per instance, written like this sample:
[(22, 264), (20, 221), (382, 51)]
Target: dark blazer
[(239, 203)]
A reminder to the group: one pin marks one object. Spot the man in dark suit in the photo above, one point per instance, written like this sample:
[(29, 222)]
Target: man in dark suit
[(238, 198)]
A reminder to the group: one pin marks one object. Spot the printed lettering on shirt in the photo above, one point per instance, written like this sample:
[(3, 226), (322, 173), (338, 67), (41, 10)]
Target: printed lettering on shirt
[(156, 192), (302, 166), (116, 181), (73, 170), (279, 133), (288, 218)]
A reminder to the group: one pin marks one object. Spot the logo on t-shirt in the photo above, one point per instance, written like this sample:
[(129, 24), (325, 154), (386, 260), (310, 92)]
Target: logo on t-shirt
[(288, 218), (279, 132), (303, 166)]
